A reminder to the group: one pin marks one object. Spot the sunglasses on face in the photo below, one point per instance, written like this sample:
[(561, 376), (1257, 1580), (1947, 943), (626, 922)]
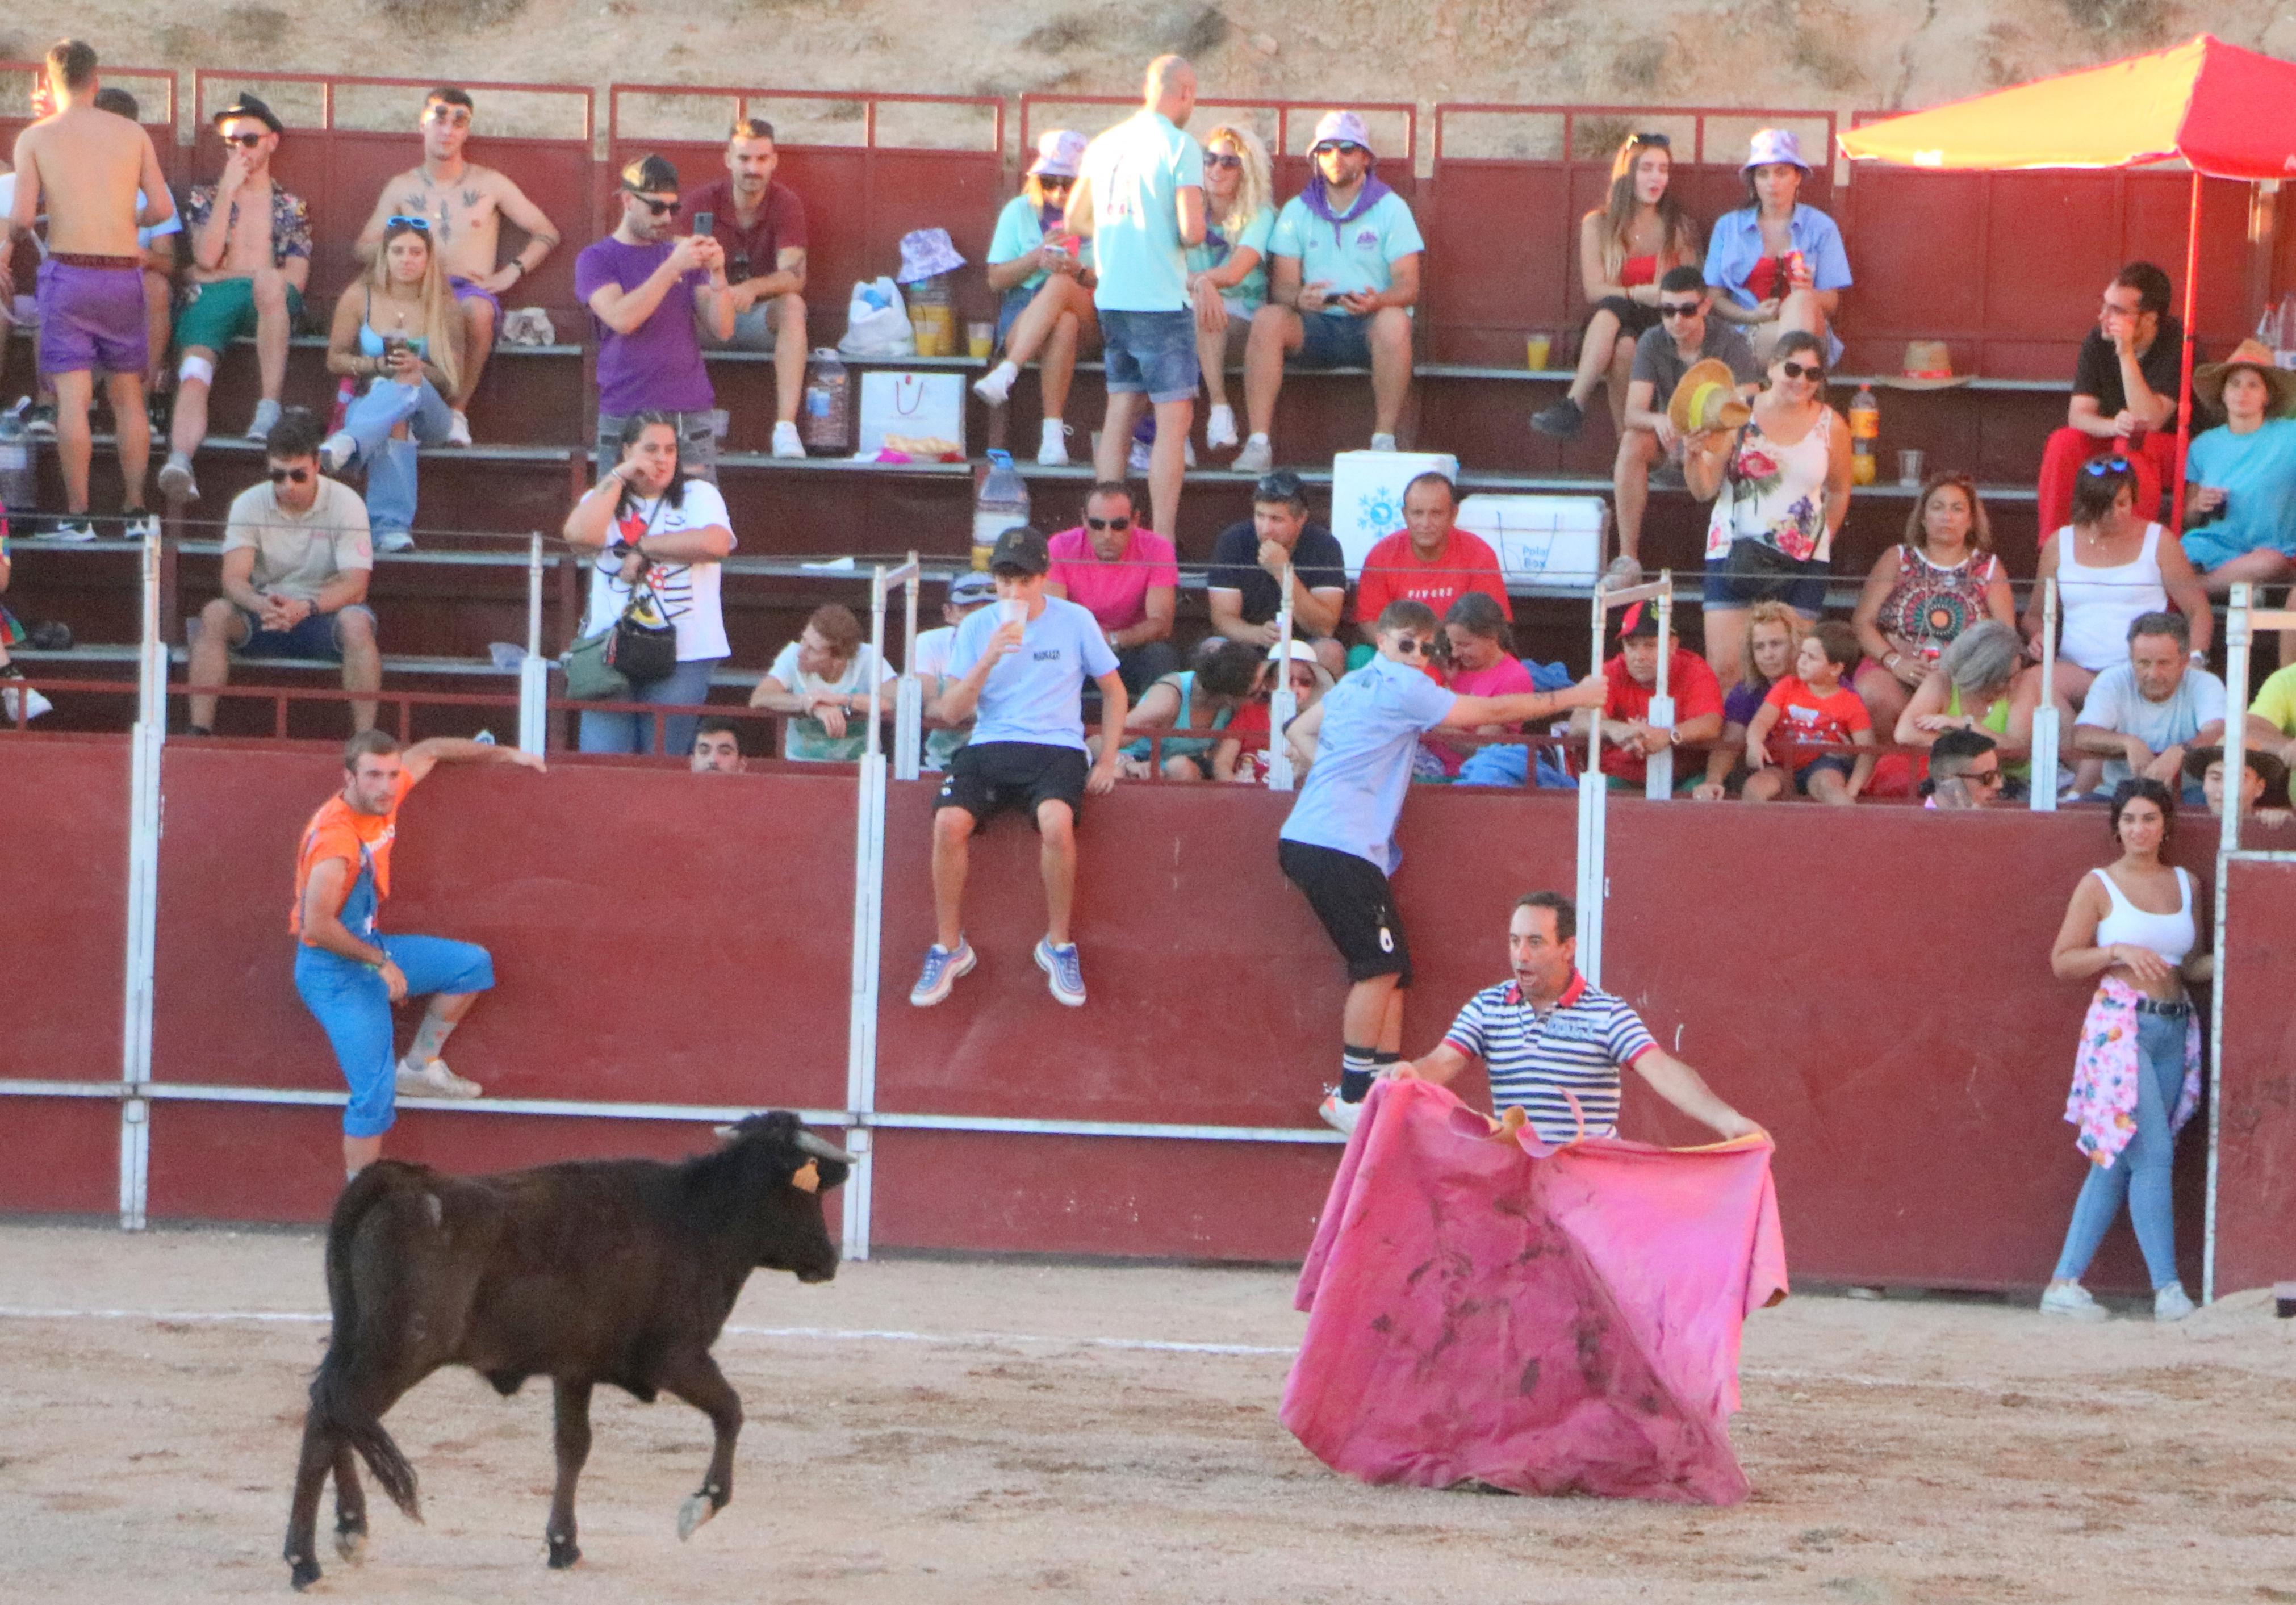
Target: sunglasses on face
[(1093, 523), (1225, 160), (1794, 370), (1982, 777), (1678, 309), (245, 142), (1053, 181), (660, 208), (1410, 646), (1341, 145), (291, 476)]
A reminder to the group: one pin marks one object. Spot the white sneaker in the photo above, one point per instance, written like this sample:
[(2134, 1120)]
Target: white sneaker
[(1135, 460), (1053, 448), (176, 478), (73, 527), (458, 428), (2171, 1304), (34, 703), (1382, 443), (338, 451), (786, 443), (1626, 570), (1257, 457), (139, 525), (267, 413), (433, 1080), (394, 540), (1219, 429), (1342, 1118), (2071, 1300), (997, 384)]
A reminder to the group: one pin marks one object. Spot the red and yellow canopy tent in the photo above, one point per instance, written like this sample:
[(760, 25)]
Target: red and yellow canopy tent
[(2224, 112)]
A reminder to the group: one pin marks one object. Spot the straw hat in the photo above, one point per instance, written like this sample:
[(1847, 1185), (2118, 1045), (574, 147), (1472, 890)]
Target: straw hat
[(2267, 767), (1707, 399), (2209, 380), (1928, 367)]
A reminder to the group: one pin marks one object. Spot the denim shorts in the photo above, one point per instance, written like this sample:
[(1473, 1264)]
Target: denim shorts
[(1151, 351), (1806, 595), (1331, 339), (1009, 310), (315, 637)]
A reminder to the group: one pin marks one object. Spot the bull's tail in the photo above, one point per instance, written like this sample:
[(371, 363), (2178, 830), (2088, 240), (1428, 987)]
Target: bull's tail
[(336, 1402)]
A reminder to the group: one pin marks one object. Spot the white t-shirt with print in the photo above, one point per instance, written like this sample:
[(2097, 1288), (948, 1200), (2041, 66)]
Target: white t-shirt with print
[(688, 592)]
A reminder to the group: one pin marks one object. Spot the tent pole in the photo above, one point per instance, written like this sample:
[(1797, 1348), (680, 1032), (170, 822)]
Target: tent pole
[(2185, 386)]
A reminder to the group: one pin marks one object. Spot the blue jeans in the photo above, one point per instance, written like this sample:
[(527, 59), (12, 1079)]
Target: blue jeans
[(1150, 351), (352, 1004), (390, 464), (634, 731), (2141, 1174)]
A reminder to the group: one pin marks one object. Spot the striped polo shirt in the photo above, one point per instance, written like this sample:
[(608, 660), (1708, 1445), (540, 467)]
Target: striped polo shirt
[(1533, 1058)]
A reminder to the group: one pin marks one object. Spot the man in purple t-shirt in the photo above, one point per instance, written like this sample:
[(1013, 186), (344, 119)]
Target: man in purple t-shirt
[(1127, 577), (652, 291)]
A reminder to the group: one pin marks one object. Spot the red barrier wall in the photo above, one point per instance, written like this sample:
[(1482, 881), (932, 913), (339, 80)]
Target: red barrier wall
[(63, 866), (2256, 1180), (63, 1153)]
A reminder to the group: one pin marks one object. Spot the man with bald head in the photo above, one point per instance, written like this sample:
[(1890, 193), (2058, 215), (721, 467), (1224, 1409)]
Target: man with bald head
[(1140, 195)]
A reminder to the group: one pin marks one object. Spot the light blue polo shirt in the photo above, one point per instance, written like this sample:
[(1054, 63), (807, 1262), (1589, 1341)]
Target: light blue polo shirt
[(1252, 289), (1356, 254), (1136, 171), (1020, 230), (1036, 695), (1372, 721)]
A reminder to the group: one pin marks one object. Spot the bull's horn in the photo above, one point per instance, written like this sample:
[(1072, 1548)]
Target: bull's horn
[(820, 1150)]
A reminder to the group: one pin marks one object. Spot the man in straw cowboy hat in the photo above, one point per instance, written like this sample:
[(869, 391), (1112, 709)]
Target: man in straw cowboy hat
[(2264, 780), (2240, 500), (1687, 335)]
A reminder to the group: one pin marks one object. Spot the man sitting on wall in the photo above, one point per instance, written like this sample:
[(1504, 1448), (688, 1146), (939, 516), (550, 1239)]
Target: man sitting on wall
[(2125, 386), (760, 221)]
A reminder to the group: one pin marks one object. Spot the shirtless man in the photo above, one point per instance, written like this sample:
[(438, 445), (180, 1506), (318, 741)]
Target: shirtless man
[(251, 259), (465, 204), (88, 166)]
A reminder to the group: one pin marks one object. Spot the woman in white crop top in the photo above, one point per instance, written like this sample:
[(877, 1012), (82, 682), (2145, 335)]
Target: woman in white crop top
[(2135, 925), (2110, 566)]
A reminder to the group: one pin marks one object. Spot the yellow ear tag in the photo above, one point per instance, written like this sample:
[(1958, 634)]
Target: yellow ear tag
[(807, 1178)]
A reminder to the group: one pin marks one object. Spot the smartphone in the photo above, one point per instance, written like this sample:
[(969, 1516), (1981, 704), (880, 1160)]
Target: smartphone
[(703, 222), (393, 345)]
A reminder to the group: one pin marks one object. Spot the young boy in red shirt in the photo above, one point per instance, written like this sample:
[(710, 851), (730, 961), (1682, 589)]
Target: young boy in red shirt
[(1815, 709)]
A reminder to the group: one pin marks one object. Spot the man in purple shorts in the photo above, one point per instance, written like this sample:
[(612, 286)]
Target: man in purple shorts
[(465, 205), (87, 169)]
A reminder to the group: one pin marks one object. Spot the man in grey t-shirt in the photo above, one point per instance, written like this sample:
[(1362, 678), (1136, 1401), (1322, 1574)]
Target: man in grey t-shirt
[(1686, 334), (2145, 713)]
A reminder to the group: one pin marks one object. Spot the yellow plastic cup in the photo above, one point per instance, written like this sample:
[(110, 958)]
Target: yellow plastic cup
[(1536, 349)]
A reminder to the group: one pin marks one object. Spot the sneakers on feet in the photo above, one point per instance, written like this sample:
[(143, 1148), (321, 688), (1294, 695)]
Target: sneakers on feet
[(941, 973), (337, 451), (1342, 1118), (1560, 421), (2071, 1300), (1219, 429), (1052, 446), (997, 384), (1257, 457), (1135, 460), (176, 478), (267, 413), (458, 428), (433, 1079), (40, 423), (787, 442), (1064, 969), (1626, 569), (14, 692), (73, 527), (1382, 443), (2171, 1303), (393, 540), (138, 524)]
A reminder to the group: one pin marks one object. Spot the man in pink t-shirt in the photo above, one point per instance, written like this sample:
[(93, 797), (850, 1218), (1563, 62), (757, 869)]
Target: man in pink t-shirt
[(1127, 577), (1430, 560)]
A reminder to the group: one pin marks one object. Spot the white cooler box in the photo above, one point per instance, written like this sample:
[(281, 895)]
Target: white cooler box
[(1367, 495), (1556, 540)]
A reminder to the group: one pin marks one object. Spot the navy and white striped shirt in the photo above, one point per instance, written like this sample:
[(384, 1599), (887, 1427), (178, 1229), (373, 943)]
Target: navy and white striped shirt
[(1532, 1059)]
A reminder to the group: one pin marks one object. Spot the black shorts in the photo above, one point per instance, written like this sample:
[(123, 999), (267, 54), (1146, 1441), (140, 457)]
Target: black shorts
[(987, 777), (1356, 904)]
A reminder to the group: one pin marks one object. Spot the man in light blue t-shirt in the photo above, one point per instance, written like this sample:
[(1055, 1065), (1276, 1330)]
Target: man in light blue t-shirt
[(2146, 714), (1342, 278), (1338, 847), (1141, 198), (1017, 671)]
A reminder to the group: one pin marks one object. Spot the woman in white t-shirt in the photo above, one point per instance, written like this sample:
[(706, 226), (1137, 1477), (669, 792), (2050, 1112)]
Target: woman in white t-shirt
[(824, 677), (661, 538)]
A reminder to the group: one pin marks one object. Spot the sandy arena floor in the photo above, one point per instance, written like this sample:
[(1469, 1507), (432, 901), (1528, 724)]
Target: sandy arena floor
[(987, 1431)]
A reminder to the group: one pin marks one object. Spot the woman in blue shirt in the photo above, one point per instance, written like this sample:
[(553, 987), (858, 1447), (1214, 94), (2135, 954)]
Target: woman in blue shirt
[(1775, 263), (1044, 275), (2239, 497), (1227, 274)]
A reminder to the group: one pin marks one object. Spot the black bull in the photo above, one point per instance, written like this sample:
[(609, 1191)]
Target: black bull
[(618, 1271)]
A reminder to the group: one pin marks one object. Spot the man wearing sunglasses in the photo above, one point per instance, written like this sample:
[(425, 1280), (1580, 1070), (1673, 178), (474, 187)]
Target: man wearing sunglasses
[(464, 205), (1687, 334), (653, 292), (1964, 771), (1343, 276), (296, 561), (251, 261), (1338, 847), (1128, 577)]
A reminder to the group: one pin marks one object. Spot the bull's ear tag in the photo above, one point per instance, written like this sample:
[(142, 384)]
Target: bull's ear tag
[(807, 1176)]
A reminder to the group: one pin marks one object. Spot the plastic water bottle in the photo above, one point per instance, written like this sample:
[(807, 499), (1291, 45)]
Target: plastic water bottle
[(999, 501), (825, 420), (1864, 429), (19, 480)]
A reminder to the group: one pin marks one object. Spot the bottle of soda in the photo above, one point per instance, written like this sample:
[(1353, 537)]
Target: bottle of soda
[(1000, 500), (1864, 429)]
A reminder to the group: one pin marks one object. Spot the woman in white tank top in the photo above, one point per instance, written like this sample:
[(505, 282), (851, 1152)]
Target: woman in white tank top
[(2110, 566), (2136, 925)]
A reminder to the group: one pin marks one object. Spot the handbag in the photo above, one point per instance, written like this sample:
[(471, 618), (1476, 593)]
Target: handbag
[(640, 645), (589, 677), (1757, 571)]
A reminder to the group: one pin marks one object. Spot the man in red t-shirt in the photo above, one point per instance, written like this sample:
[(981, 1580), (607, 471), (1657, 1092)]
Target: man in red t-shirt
[(1128, 577), (1628, 737), (1429, 560), (761, 223)]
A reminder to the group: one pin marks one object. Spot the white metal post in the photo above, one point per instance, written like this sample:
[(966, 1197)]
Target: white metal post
[(1283, 707), (2240, 635), (534, 669), (1594, 800), (2048, 734), (1657, 780), (146, 745), (909, 695)]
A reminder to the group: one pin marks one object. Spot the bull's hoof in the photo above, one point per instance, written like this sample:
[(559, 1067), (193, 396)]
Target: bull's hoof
[(350, 1543), (302, 1572), (563, 1553), (697, 1509)]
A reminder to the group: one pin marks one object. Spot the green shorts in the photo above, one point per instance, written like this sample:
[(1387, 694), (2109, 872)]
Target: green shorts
[(215, 315)]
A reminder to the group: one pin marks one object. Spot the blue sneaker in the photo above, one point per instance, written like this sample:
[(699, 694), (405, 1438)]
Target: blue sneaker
[(941, 969), (1063, 967)]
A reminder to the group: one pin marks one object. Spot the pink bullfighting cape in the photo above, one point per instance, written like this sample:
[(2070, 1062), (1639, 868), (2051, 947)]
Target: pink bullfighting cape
[(1543, 1320)]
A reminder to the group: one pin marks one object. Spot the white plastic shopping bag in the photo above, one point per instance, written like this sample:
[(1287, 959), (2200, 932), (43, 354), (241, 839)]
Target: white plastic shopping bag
[(877, 321)]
